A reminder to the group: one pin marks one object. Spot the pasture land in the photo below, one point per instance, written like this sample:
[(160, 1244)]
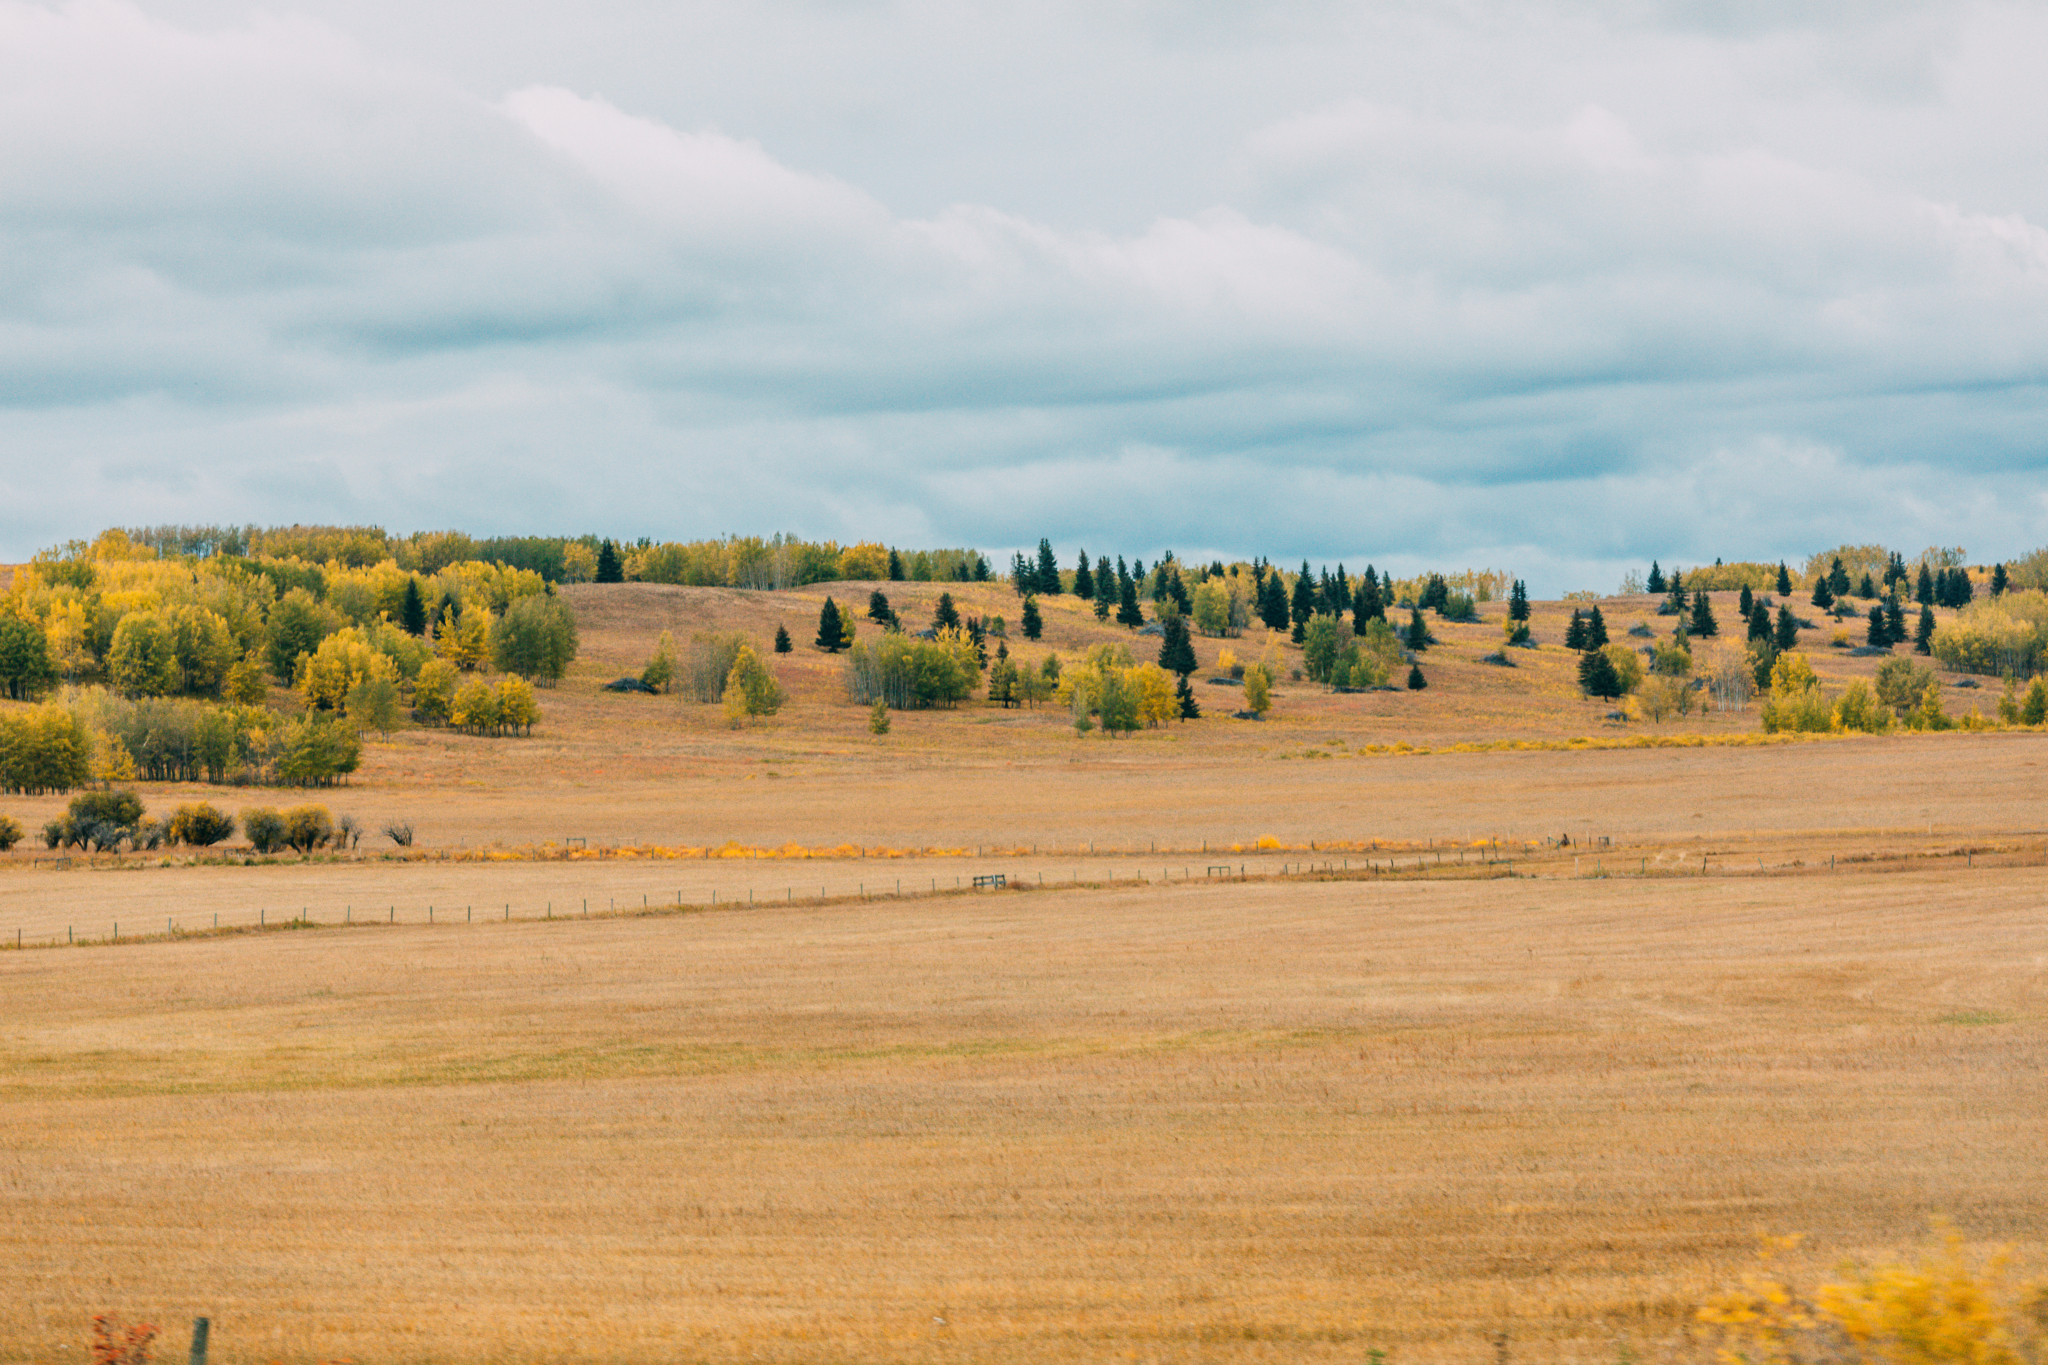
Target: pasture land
[(1292, 1120)]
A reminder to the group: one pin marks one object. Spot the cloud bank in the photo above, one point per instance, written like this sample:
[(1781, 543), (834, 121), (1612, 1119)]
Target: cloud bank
[(1558, 288)]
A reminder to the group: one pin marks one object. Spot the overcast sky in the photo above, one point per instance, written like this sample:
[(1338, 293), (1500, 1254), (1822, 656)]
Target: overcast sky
[(1553, 286)]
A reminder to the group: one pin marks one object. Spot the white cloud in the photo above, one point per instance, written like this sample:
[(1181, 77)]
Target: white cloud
[(1466, 292)]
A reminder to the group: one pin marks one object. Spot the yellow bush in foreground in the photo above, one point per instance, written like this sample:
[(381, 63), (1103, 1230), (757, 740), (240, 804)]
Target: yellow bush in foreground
[(1935, 1312)]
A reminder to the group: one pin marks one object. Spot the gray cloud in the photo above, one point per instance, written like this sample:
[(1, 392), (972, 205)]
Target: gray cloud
[(1557, 287)]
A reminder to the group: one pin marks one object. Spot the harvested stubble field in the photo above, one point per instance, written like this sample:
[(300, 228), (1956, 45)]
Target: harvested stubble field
[(1294, 1118)]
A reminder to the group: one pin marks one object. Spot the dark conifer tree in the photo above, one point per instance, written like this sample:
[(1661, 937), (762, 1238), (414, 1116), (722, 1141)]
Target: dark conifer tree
[(1838, 578), (1786, 634), (1128, 612), (1823, 596), (1048, 570), (1518, 602), (1435, 592), (1866, 589), (1960, 589), (831, 631), (895, 567), (1303, 604), (1034, 624), (1416, 682), (1084, 582), (1894, 572), (1105, 589), (1575, 633), (1596, 630), (1185, 695), (982, 572), (1023, 576), (1676, 583), (1418, 631), (608, 568), (1923, 588), (1784, 580), (1894, 620), (1596, 675), (1879, 635), (879, 608), (1273, 603), (1655, 582), (1923, 638), (1338, 600), (1676, 604), (945, 616), (1759, 622), (977, 635), (1703, 623), (1999, 581), (1746, 602), (783, 644), (412, 614), (1176, 651)]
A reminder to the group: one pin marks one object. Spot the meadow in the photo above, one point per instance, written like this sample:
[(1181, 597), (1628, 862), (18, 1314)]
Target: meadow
[(1122, 1110)]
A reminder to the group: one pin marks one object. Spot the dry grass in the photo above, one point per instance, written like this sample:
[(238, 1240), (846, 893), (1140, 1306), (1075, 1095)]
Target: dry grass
[(1289, 1119), (1256, 1122)]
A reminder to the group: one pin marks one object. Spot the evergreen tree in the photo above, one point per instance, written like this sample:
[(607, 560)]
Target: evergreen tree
[(895, 569), (1923, 638), (1105, 589), (1337, 600), (1923, 588), (1894, 571), (1034, 624), (831, 630), (1786, 635), (1894, 620), (1418, 631), (1655, 583), (1676, 584), (1999, 581), (879, 608), (1759, 622), (1575, 633), (1273, 603), (1048, 570), (1596, 675), (1416, 682), (1745, 603), (1367, 604), (1303, 604), (783, 644), (1784, 580), (1084, 582), (1518, 602), (1596, 630), (1703, 623), (1128, 613), (982, 572), (1823, 596), (1677, 603), (1960, 588), (1838, 578), (946, 616), (1185, 695), (608, 568), (1435, 592), (1866, 589), (1176, 651), (1023, 577), (412, 614), (1879, 635)]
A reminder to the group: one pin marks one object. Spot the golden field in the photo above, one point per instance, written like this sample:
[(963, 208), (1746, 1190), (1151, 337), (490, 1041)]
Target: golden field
[(1302, 1116)]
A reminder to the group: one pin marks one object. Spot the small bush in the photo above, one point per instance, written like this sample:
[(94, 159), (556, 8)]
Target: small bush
[(399, 832), (878, 718), (200, 825), (308, 827), (264, 828), (348, 831), (10, 832)]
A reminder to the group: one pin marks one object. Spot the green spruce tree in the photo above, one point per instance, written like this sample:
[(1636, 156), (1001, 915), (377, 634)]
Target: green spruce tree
[(1923, 588), (1786, 634), (1596, 630), (831, 631), (1894, 619), (1999, 581), (1418, 631), (1745, 603), (1575, 633), (1655, 582), (1034, 624), (1703, 623), (1784, 580), (1048, 577), (1518, 602), (895, 576), (1823, 595), (1176, 650), (1185, 695), (412, 613), (1128, 612), (609, 569), (1416, 682), (1923, 638), (783, 644), (1303, 603), (1877, 635), (1084, 582), (1597, 677), (946, 616)]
